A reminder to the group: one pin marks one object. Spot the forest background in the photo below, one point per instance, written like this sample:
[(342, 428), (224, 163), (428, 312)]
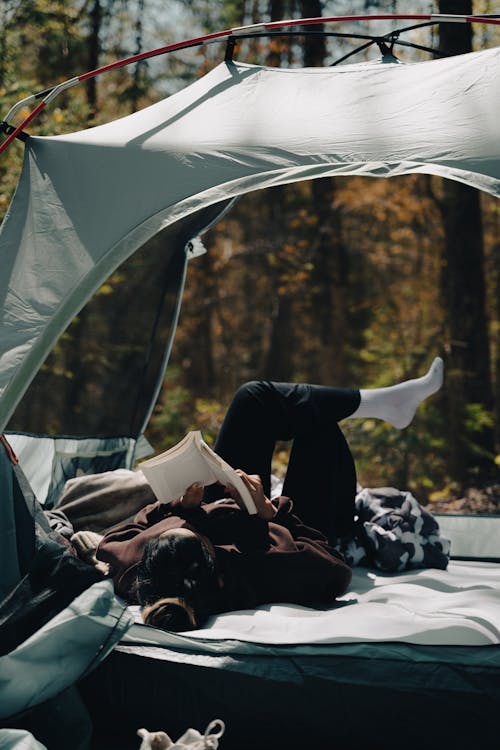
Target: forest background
[(344, 281)]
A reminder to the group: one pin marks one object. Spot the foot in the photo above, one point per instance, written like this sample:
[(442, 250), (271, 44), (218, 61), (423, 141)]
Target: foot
[(397, 404), (404, 398)]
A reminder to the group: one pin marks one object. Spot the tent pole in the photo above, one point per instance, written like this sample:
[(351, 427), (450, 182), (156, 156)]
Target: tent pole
[(51, 93)]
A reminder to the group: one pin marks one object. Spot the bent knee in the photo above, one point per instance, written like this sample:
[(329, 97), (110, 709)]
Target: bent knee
[(250, 389)]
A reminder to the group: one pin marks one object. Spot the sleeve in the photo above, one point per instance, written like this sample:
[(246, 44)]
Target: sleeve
[(122, 543), (225, 523), (156, 512), (309, 576), (298, 529), (325, 574), (320, 569)]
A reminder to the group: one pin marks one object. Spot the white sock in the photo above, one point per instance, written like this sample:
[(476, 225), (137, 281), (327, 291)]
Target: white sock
[(397, 403)]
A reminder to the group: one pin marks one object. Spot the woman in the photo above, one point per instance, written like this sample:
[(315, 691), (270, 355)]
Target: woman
[(200, 555)]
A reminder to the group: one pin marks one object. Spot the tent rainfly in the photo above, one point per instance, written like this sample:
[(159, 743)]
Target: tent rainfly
[(88, 200)]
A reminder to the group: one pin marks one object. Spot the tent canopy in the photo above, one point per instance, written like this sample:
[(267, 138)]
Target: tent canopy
[(88, 200)]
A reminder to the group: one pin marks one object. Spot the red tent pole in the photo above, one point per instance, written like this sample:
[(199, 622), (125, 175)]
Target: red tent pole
[(208, 39), (20, 127)]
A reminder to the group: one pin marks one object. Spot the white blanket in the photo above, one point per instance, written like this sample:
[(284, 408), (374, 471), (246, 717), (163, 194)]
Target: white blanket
[(459, 606)]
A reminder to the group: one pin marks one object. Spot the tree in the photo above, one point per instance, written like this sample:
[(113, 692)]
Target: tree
[(469, 389), (331, 278)]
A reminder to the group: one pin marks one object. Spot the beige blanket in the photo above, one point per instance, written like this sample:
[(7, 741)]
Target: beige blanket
[(95, 502)]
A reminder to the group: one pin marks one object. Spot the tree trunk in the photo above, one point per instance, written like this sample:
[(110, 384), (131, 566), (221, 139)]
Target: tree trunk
[(314, 46), (468, 366), (496, 340), (139, 66), (331, 261), (202, 373), (3, 43), (94, 47), (278, 363), (331, 287)]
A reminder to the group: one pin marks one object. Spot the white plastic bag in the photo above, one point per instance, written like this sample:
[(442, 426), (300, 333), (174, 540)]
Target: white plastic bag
[(190, 740)]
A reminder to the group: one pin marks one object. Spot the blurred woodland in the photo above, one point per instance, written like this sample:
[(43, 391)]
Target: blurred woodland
[(348, 281)]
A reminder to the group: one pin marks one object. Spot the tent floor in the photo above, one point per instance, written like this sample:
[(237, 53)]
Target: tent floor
[(263, 710)]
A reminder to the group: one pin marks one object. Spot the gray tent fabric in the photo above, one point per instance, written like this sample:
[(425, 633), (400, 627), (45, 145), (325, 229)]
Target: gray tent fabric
[(10, 572), (117, 349), (59, 723), (48, 462), (19, 739), (64, 649), (88, 200), (57, 613)]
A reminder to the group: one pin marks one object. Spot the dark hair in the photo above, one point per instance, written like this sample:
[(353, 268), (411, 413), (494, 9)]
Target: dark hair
[(176, 582), (169, 613)]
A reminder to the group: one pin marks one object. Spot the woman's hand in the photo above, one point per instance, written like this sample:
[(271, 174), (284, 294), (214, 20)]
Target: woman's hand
[(265, 508), (193, 496)]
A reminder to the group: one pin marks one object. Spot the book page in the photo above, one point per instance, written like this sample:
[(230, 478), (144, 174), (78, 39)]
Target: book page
[(182, 445), (227, 475), (171, 473), (192, 460)]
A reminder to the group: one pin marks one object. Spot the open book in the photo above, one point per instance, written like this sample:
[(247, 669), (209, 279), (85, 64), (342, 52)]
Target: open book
[(192, 460)]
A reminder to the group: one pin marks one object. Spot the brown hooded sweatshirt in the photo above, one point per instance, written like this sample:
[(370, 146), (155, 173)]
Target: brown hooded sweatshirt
[(260, 561)]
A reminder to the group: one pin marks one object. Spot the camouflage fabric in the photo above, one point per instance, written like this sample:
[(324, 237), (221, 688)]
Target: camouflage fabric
[(395, 533)]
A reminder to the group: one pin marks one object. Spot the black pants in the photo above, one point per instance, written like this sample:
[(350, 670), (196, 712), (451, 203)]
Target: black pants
[(321, 477)]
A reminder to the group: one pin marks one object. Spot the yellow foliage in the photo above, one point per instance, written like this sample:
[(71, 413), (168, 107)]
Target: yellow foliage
[(443, 494), (106, 289)]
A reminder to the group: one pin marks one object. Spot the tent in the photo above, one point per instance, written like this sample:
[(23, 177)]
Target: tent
[(88, 200), (149, 184)]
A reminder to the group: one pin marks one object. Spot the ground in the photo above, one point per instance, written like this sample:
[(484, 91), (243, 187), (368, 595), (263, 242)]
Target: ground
[(485, 499)]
